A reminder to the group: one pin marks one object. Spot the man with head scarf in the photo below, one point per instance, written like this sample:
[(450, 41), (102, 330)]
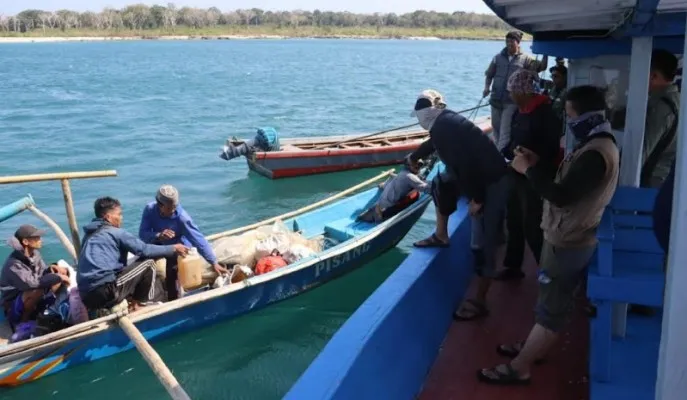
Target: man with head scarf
[(575, 200), (510, 60), (164, 221), (474, 168), (536, 127)]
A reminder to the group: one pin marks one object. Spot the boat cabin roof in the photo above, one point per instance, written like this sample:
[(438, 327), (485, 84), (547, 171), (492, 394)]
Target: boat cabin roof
[(593, 19)]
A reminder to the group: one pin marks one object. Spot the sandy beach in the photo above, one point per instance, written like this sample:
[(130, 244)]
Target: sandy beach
[(189, 37)]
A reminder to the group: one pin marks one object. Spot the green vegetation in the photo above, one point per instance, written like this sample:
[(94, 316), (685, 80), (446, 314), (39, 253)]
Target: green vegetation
[(157, 21)]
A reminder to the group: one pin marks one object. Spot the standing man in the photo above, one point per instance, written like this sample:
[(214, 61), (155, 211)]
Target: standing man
[(559, 76), (165, 222), (502, 66), (536, 127), (574, 203), (474, 169), (660, 139)]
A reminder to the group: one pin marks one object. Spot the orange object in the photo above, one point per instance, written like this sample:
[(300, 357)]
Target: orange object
[(268, 264)]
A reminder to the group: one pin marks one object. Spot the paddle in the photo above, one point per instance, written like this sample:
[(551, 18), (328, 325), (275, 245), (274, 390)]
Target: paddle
[(324, 146)]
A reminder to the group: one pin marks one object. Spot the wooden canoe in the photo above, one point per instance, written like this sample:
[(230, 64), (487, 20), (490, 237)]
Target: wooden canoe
[(354, 244), (308, 156)]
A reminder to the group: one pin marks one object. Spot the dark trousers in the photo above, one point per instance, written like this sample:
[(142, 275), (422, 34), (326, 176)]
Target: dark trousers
[(136, 280), (172, 274), (523, 220)]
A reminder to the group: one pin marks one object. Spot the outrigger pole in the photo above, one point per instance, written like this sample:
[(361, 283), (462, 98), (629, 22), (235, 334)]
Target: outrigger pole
[(149, 354)]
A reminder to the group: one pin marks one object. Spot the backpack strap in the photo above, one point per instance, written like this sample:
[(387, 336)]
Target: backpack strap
[(663, 143)]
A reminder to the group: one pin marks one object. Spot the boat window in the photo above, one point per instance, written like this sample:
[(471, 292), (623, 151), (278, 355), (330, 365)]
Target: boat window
[(615, 79)]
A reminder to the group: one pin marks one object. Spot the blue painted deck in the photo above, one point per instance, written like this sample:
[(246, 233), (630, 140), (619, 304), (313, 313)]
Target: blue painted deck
[(388, 346)]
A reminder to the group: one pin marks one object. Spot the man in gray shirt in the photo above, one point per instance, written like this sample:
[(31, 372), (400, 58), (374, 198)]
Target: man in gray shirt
[(394, 190)]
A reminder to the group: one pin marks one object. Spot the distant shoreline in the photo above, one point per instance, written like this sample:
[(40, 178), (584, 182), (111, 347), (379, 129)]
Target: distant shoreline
[(55, 39)]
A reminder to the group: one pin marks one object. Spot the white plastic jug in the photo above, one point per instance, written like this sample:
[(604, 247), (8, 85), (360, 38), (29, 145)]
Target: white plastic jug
[(191, 269)]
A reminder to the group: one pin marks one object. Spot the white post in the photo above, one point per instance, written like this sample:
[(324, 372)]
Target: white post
[(671, 382), (633, 138)]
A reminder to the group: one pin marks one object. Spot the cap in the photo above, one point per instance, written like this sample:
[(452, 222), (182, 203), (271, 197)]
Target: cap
[(515, 35), (168, 195), (48, 280), (428, 98), (522, 81), (28, 231)]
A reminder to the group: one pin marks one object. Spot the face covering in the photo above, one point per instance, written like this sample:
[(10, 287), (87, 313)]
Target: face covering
[(427, 116), (589, 124)]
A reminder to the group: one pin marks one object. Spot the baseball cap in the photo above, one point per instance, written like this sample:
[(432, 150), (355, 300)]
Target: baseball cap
[(28, 231), (428, 98)]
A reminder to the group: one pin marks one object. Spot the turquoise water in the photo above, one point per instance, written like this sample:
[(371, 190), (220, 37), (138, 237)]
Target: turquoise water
[(159, 112)]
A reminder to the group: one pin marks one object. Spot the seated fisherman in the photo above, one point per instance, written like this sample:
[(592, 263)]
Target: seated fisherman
[(104, 278), (394, 190), (267, 139), (25, 277), (164, 221)]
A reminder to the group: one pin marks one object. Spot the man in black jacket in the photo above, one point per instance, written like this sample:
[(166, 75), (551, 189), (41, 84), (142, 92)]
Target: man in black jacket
[(474, 169), (537, 127)]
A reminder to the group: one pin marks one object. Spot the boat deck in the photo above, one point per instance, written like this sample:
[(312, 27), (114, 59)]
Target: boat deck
[(470, 346)]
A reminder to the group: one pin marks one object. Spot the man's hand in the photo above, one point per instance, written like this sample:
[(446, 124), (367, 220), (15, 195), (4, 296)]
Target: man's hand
[(220, 269), (180, 249), (65, 278), (474, 208), (56, 269), (166, 234), (524, 159), (381, 186), (486, 92)]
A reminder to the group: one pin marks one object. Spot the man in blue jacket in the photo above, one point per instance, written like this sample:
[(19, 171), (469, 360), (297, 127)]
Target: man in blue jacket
[(164, 221), (104, 278)]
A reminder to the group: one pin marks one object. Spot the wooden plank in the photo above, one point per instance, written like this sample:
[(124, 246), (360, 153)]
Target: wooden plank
[(56, 176)]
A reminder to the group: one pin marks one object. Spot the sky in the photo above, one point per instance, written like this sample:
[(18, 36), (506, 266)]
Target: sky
[(12, 7)]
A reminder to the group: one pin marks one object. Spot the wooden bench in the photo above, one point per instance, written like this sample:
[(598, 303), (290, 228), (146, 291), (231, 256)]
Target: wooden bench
[(628, 268)]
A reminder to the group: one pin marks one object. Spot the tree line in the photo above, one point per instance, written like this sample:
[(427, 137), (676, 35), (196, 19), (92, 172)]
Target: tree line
[(142, 17)]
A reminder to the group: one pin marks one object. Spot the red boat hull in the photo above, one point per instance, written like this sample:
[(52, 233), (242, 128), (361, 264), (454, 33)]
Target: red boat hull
[(286, 164)]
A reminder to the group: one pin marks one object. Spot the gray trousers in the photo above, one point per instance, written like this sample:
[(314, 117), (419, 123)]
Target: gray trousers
[(487, 228), (501, 119)]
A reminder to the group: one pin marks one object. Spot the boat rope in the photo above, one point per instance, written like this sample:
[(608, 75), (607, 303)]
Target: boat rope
[(479, 105)]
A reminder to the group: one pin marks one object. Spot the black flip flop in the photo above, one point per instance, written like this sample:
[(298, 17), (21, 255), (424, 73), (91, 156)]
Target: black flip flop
[(432, 241), (509, 351), (508, 378), (480, 311)]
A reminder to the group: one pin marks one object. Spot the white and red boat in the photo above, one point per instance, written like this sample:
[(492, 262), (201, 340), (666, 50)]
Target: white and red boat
[(316, 155)]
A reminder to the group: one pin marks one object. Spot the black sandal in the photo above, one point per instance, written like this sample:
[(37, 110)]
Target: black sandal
[(477, 311), (494, 376), (513, 350), (432, 241)]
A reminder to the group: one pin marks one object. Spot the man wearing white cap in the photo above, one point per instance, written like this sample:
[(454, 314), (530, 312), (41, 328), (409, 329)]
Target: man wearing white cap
[(474, 169), (164, 221)]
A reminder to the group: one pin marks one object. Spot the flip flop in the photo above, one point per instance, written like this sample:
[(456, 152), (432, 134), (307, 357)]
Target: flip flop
[(478, 311), (513, 350), (495, 376), (432, 241)]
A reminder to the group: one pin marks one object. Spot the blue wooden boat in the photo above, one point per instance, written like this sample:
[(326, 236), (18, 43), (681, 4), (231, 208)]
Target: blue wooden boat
[(354, 244), (402, 343)]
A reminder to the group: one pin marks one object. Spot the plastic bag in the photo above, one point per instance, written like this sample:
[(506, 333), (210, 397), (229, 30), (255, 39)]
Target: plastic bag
[(236, 249), (269, 264), (278, 237), (297, 252)]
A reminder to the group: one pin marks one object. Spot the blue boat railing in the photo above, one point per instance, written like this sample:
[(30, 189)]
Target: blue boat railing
[(12, 209), (64, 178)]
